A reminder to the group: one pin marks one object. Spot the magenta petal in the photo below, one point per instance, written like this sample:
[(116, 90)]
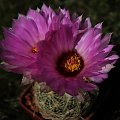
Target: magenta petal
[(87, 23), (61, 43), (66, 21), (108, 48), (84, 43), (99, 78), (12, 41), (99, 25), (89, 86), (105, 41), (72, 87), (26, 27), (57, 86), (113, 57), (40, 22), (65, 13), (15, 59), (48, 13)]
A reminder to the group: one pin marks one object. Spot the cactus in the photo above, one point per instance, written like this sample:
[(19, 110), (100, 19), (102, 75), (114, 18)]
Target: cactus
[(54, 107)]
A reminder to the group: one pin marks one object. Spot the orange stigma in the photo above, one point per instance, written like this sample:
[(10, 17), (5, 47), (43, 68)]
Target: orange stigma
[(34, 50)]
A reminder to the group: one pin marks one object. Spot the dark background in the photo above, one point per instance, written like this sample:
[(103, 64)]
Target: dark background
[(107, 107)]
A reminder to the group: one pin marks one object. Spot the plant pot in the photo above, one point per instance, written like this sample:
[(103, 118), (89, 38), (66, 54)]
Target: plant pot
[(22, 100), (33, 113)]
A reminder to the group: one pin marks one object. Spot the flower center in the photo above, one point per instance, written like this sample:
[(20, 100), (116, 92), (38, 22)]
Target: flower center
[(34, 50), (70, 64)]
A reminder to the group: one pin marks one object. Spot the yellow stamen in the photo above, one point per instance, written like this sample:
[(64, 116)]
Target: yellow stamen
[(72, 63)]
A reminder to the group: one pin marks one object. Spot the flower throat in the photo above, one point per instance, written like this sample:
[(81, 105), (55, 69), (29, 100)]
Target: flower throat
[(70, 64)]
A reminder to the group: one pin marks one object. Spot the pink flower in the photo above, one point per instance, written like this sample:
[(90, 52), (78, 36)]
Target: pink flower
[(20, 44), (68, 65)]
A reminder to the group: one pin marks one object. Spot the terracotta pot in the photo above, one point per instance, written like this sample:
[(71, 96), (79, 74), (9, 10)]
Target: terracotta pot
[(32, 114), (21, 101)]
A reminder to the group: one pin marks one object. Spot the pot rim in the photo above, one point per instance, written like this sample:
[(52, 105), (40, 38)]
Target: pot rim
[(29, 111)]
